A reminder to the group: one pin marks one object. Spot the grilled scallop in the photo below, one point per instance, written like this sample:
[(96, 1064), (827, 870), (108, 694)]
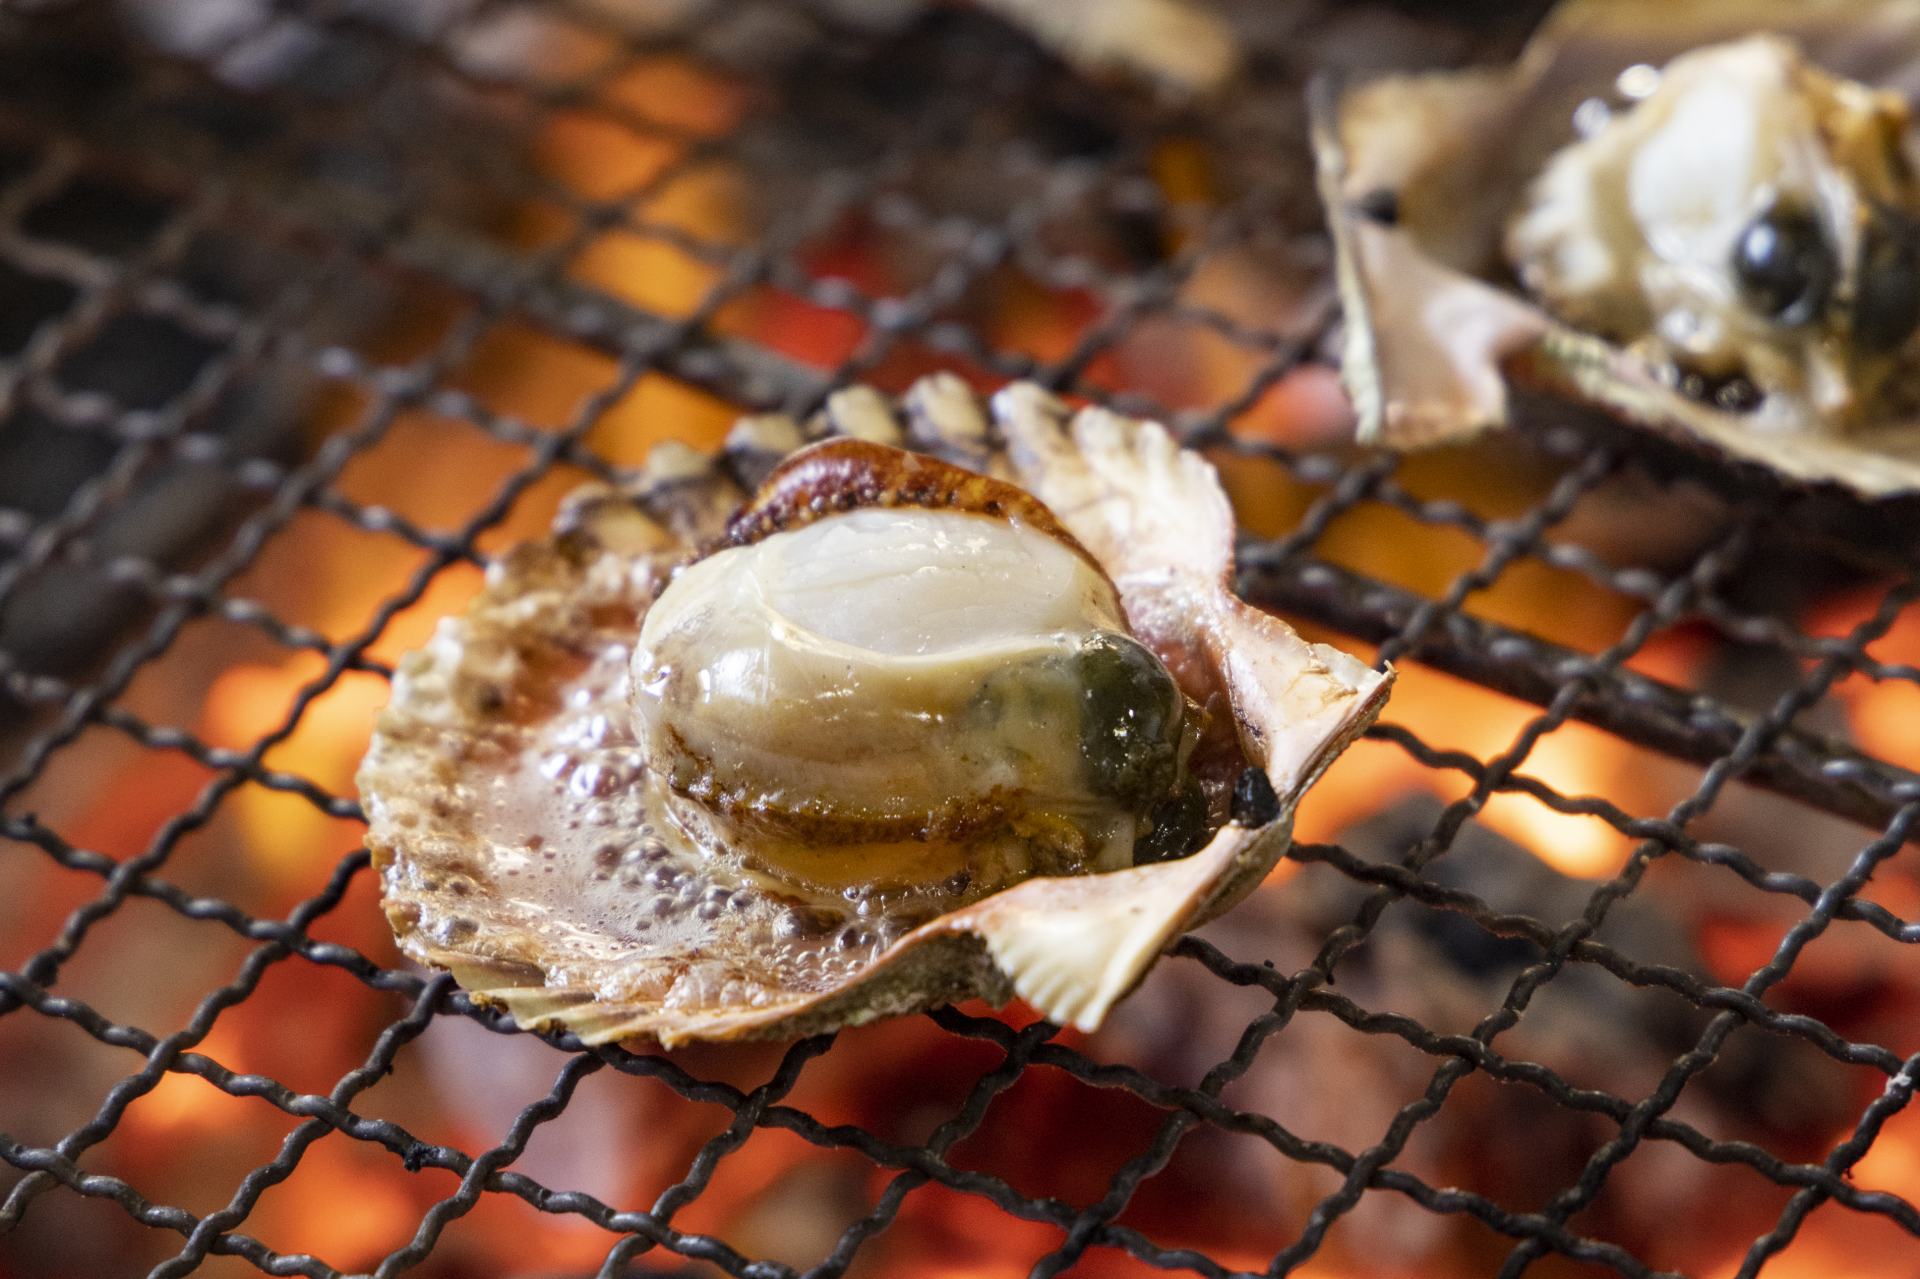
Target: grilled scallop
[(903, 725), (1747, 222), (936, 684), (1702, 219)]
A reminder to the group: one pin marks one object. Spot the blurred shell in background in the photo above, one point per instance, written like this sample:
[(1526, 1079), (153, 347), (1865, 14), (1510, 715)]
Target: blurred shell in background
[(1441, 187)]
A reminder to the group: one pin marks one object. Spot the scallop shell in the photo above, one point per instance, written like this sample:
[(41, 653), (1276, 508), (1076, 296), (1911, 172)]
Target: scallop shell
[(1181, 46), (513, 844), (1434, 342)]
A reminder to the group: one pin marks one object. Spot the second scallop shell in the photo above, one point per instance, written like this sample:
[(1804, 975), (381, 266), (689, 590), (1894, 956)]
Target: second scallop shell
[(1701, 220)]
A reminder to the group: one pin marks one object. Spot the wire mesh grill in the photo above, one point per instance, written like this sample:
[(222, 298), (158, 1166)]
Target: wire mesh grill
[(543, 235)]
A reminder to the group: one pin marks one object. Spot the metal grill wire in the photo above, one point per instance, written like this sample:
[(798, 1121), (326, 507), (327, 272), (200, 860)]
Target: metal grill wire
[(337, 244)]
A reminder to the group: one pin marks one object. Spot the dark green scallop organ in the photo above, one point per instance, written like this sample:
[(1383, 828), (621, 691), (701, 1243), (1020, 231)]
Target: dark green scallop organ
[(1131, 716)]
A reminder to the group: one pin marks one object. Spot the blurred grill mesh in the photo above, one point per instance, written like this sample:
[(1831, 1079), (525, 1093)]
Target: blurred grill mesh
[(199, 222)]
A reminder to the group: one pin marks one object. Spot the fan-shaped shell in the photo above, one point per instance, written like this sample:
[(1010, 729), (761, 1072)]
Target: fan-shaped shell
[(513, 834)]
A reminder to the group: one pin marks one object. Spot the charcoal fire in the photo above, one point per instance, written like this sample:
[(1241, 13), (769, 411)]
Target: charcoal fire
[(1595, 956)]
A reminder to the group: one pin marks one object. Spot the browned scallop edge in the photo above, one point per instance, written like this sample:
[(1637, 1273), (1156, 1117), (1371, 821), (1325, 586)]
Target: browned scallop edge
[(835, 476)]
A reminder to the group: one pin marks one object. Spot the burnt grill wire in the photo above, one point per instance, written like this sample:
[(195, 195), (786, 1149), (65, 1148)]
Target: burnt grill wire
[(226, 135)]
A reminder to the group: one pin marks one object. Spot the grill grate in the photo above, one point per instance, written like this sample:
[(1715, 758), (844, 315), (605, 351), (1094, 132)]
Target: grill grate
[(945, 198)]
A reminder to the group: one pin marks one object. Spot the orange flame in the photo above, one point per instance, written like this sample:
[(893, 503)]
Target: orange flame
[(1452, 714), (182, 1103), (1881, 712)]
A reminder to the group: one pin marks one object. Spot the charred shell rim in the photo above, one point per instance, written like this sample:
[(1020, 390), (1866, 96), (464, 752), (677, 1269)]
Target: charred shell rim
[(1431, 347), (1148, 511), (837, 476)]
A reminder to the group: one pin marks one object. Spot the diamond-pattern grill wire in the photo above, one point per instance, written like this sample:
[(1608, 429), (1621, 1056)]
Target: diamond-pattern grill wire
[(336, 237)]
